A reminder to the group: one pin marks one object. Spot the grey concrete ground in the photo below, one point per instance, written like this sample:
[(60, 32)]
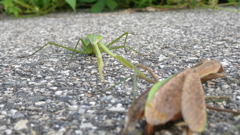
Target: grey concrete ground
[(41, 94)]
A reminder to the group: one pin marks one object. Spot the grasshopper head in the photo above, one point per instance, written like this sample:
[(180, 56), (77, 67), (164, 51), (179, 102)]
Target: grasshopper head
[(94, 39)]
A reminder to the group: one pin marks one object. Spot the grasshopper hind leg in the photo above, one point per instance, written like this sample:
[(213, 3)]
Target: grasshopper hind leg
[(61, 46)]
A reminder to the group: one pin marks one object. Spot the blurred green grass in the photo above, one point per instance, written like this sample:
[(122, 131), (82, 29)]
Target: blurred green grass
[(21, 8)]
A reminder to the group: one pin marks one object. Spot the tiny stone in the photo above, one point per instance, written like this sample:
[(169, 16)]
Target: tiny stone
[(43, 81), (40, 103), (224, 63), (3, 127), (4, 113), (113, 101), (108, 122), (48, 101), (37, 98), (39, 76), (78, 132), (73, 107), (65, 72), (237, 118), (72, 66), (102, 133), (2, 116), (92, 103), (212, 125), (119, 105), (51, 69), (13, 111), (64, 99), (161, 57), (225, 86), (1, 105), (33, 132), (128, 93), (53, 88), (21, 124), (58, 93), (61, 131), (81, 111), (8, 131), (108, 92), (192, 58), (165, 132), (90, 111), (117, 109), (17, 115), (87, 125)]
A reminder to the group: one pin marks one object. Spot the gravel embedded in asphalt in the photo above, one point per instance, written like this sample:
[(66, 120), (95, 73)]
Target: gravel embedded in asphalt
[(41, 94)]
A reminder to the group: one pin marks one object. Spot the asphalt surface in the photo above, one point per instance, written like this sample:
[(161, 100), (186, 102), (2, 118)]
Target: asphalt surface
[(42, 94)]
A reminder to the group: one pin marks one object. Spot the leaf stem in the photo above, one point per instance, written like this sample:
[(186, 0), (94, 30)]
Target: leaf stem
[(223, 110)]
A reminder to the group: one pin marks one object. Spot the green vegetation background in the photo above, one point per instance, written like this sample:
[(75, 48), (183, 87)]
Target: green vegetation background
[(20, 8)]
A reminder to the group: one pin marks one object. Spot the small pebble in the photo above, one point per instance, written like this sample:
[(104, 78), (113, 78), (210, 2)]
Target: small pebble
[(40, 103), (58, 93), (117, 109), (21, 124), (87, 125)]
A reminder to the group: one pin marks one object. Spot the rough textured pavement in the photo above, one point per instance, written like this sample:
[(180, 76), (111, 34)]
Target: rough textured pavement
[(41, 94)]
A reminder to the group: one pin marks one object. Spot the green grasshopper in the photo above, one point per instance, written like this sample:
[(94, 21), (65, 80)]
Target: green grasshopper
[(92, 45), (178, 96)]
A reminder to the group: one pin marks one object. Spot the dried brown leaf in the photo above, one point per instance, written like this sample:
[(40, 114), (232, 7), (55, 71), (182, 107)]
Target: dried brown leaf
[(208, 67), (193, 105), (183, 94), (135, 113), (166, 103)]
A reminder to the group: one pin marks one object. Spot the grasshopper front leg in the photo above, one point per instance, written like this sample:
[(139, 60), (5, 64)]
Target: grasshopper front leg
[(99, 61)]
